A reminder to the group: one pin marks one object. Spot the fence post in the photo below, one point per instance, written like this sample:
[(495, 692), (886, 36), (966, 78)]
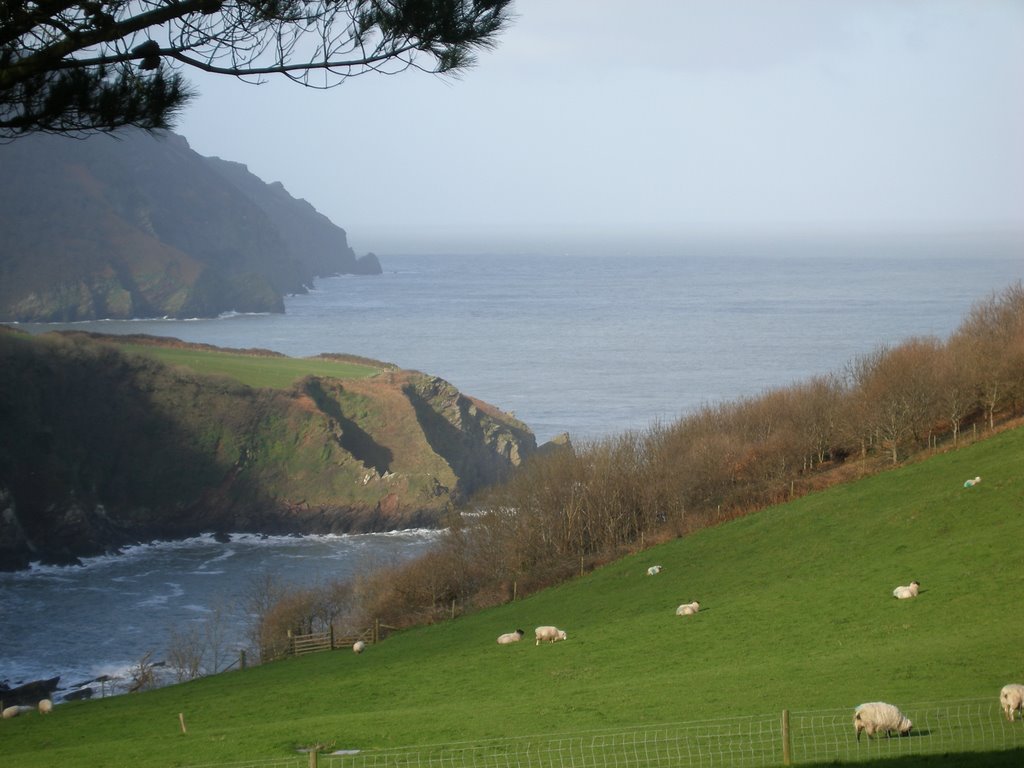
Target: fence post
[(787, 745), (291, 644), (331, 630), (312, 758), (515, 584), (241, 659), (376, 631)]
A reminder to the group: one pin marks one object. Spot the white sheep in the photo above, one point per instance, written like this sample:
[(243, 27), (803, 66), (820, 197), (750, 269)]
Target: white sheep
[(688, 609), (511, 637), (879, 717), (910, 590), (45, 707), (549, 634), (358, 646), (1012, 700), (654, 570), (18, 709), (972, 483)]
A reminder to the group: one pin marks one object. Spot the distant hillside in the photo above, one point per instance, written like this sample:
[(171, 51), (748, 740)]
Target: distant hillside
[(138, 225), (102, 444)]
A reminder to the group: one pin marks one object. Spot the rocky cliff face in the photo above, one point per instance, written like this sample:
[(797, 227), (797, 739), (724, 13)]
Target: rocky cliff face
[(101, 447), (139, 225)]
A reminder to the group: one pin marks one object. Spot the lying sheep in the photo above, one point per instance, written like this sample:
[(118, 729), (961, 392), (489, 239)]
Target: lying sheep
[(654, 570), (972, 483), (688, 609), (11, 712), (879, 717), (902, 593), (1012, 700), (511, 637), (358, 646), (549, 634), (45, 707)]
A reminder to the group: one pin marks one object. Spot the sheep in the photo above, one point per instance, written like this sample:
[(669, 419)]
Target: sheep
[(911, 590), (654, 570), (1012, 699), (511, 637), (972, 483), (688, 609), (358, 646), (45, 707), (877, 717), (18, 709), (549, 634)]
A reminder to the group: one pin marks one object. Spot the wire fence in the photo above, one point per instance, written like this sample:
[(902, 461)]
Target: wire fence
[(788, 738)]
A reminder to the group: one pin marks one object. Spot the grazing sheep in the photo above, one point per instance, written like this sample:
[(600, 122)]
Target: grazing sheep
[(902, 593), (878, 717), (1012, 699), (972, 483), (549, 634), (688, 609), (45, 707), (654, 570), (19, 709), (358, 646), (511, 637)]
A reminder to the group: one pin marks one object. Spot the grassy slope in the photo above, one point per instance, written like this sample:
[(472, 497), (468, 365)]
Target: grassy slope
[(272, 371), (796, 613)]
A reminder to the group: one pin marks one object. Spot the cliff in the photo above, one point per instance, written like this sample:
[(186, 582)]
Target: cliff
[(139, 225), (102, 445)]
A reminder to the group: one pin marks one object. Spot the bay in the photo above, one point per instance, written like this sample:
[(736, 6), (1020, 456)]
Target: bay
[(588, 343), (594, 345), (102, 617)]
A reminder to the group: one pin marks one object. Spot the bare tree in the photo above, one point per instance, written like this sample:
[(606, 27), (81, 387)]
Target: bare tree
[(96, 66), (994, 333)]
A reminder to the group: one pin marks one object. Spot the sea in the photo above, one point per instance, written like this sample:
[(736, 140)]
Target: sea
[(591, 343)]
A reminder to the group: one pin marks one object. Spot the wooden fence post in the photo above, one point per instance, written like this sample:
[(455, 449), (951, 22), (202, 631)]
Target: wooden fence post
[(376, 631), (787, 745), (312, 758), (331, 631), (291, 643), (241, 659), (515, 584)]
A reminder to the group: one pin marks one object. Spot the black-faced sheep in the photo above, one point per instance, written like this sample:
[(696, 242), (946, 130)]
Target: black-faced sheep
[(1012, 700), (910, 590), (688, 609), (549, 634), (511, 637), (879, 717)]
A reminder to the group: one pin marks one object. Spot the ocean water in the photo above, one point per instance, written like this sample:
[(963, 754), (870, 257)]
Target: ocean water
[(596, 345), (102, 617), (592, 345)]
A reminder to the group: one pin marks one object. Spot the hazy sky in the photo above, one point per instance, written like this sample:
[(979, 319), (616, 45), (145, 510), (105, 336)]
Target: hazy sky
[(658, 118)]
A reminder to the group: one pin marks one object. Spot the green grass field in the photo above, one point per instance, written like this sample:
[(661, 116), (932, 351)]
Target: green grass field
[(252, 370), (796, 614)]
